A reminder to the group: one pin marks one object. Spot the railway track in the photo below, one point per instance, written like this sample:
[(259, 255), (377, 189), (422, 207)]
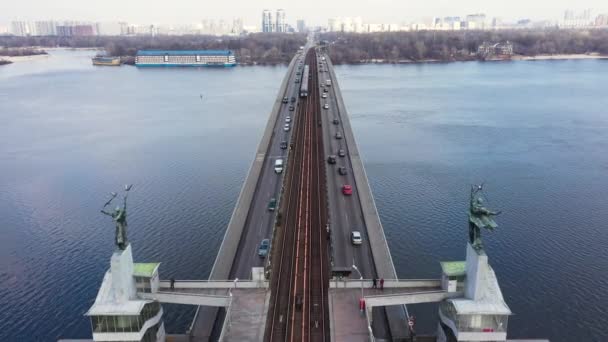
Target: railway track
[(299, 280)]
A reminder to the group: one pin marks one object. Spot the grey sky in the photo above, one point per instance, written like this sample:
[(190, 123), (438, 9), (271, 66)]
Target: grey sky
[(313, 11)]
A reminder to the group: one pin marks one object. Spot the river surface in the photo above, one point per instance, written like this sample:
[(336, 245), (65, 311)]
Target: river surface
[(535, 132)]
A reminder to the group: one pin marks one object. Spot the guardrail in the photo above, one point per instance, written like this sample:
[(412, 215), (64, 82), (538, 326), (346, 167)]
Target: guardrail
[(388, 283), (215, 284)]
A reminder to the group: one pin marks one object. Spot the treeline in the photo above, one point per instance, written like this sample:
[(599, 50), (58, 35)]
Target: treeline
[(259, 48), (13, 52), (399, 47)]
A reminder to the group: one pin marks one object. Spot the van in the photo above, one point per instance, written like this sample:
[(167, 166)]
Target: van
[(278, 165)]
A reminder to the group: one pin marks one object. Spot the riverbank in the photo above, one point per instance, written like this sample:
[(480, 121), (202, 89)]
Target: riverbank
[(14, 59), (559, 57), (472, 59)]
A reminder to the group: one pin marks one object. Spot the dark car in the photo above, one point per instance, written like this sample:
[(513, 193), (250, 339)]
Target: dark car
[(285, 100), (264, 247), (283, 145), (325, 90), (272, 204), (341, 153), (292, 108), (338, 135), (331, 159), (293, 99), (342, 170), (336, 121)]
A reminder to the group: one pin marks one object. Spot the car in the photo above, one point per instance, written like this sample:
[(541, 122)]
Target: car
[(287, 127), (355, 238), (338, 135), (347, 190), (264, 247), (325, 90), (326, 106), (342, 171), (285, 100), (283, 145), (324, 95), (298, 73), (341, 153), (272, 205), (278, 166), (297, 80), (336, 121), (288, 119), (293, 99), (331, 159), (292, 108)]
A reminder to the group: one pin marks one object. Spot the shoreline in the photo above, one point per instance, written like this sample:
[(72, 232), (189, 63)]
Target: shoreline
[(15, 59), (558, 57)]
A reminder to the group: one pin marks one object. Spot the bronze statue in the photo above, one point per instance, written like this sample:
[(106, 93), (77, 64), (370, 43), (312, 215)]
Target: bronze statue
[(120, 217), (479, 217)]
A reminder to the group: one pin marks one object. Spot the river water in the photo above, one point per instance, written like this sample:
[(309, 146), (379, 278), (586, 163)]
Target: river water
[(534, 132)]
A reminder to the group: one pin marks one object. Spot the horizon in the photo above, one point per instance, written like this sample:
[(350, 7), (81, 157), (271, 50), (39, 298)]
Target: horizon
[(185, 12)]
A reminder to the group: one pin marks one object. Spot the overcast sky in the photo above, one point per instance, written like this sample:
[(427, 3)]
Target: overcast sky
[(313, 11)]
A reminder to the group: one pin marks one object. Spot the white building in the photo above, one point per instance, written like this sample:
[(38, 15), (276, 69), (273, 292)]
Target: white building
[(281, 25), (110, 28), (21, 28), (577, 20), (118, 314), (482, 315), (301, 25), (267, 23), (45, 28)]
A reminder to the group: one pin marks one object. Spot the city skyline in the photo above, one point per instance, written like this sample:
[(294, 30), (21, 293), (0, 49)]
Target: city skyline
[(383, 11)]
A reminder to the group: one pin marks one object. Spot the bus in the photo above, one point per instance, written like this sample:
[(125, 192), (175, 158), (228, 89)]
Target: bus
[(304, 84)]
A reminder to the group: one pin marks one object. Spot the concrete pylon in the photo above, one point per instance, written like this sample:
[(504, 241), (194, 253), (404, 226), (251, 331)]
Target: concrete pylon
[(476, 267)]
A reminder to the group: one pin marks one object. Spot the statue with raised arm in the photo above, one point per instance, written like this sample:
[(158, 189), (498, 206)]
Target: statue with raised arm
[(479, 217), (119, 216)]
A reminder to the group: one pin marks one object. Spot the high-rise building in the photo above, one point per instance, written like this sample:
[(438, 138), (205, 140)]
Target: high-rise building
[(267, 24), (281, 26), (21, 28), (601, 20), (301, 25), (476, 21), (45, 28), (237, 26), (582, 19)]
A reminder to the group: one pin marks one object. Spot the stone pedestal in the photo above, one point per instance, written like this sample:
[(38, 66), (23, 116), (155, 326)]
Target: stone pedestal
[(476, 267), (121, 267)]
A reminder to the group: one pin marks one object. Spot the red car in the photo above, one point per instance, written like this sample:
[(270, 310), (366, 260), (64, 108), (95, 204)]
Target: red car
[(347, 190)]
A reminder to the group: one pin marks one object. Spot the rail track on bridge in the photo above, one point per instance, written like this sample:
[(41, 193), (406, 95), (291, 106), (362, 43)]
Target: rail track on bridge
[(299, 282)]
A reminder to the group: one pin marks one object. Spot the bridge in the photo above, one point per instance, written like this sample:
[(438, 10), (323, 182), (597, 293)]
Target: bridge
[(325, 272)]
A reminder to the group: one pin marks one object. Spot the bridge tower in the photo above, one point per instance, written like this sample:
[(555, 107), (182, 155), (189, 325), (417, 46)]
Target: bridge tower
[(117, 313), (482, 314)]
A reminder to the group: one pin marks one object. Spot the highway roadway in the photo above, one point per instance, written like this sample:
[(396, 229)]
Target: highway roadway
[(259, 222), (345, 212)]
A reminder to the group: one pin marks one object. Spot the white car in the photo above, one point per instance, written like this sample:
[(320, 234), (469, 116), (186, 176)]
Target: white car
[(326, 106), (288, 119), (355, 238), (324, 95), (286, 127)]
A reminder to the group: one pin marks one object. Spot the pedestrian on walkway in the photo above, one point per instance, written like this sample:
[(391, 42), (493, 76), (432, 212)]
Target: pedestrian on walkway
[(172, 281), (374, 286), (381, 283)]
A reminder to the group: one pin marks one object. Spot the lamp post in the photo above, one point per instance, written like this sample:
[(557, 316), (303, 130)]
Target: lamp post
[(360, 277)]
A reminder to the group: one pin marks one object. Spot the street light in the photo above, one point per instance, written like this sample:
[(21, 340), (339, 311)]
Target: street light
[(360, 277)]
